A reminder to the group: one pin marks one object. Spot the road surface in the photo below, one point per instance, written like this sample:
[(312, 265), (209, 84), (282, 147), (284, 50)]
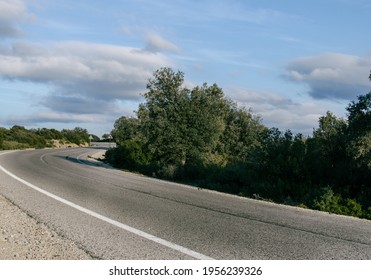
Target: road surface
[(113, 214)]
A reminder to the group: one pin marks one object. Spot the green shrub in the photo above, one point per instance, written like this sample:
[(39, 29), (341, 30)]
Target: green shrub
[(334, 203), (328, 202), (129, 155), (367, 213), (352, 208), (14, 145), (168, 171)]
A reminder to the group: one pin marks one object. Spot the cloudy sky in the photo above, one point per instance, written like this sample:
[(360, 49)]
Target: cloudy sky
[(85, 63)]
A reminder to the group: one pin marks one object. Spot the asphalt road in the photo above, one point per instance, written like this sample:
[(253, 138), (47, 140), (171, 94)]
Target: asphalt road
[(118, 215)]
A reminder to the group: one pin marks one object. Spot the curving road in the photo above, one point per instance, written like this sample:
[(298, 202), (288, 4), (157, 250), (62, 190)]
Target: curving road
[(118, 215)]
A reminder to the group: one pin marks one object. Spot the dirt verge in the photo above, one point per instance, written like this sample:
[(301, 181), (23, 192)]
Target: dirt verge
[(24, 238)]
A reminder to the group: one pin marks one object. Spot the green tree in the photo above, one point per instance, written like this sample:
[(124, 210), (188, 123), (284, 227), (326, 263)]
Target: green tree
[(125, 129), (95, 138), (106, 137), (48, 134), (161, 116), (204, 122), (280, 166), (182, 126), (359, 120), (359, 148), (26, 137), (3, 135), (78, 135), (242, 135), (331, 135), (129, 155), (327, 158)]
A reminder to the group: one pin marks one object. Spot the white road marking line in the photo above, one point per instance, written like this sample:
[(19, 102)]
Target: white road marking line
[(78, 158), (140, 233)]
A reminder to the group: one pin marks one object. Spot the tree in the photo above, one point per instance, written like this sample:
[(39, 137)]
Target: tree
[(27, 137), (125, 129), (106, 136), (161, 116), (3, 135), (205, 121), (182, 126), (48, 133), (281, 163), (359, 120), (94, 138), (331, 136), (327, 160), (129, 155), (78, 135), (242, 135), (359, 147)]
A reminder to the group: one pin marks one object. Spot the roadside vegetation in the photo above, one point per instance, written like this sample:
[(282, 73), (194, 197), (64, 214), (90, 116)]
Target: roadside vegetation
[(18, 137), (199, 136)]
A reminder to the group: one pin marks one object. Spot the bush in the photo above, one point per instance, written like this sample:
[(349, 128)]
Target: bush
[(129, 155), (77, 136), (328, 202), (334, 203), (14, 145), (367, 214), (168, 172), (352, 208)]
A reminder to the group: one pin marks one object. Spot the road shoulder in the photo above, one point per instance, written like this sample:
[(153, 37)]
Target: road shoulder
[(24, 238)]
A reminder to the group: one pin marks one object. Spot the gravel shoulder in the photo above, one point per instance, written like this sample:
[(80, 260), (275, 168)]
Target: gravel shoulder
[(24, 238)]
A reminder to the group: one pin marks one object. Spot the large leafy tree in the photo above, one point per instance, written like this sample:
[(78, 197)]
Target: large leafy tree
[(162, 116), (207, 108), (181, 125)]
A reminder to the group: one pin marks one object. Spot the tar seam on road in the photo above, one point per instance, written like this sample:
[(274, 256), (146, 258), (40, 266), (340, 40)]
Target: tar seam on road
[(135, 231)]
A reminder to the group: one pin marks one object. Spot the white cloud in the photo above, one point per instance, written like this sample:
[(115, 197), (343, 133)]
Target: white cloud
[(43, 117), (155, 43), (332, 75), (86, 81), (78, 68), (279, 111), (12, 12)]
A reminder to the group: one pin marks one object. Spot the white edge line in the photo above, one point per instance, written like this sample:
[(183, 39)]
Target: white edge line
[(135, 231)]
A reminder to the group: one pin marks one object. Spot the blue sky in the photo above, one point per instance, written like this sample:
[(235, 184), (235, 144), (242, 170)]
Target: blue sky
[(85, 63)]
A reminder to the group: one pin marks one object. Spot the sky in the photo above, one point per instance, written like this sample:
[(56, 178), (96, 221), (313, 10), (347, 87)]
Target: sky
[(68, 63)]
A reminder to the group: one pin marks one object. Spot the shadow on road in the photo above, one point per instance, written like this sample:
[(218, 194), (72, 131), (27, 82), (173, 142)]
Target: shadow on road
[(87, 161)]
